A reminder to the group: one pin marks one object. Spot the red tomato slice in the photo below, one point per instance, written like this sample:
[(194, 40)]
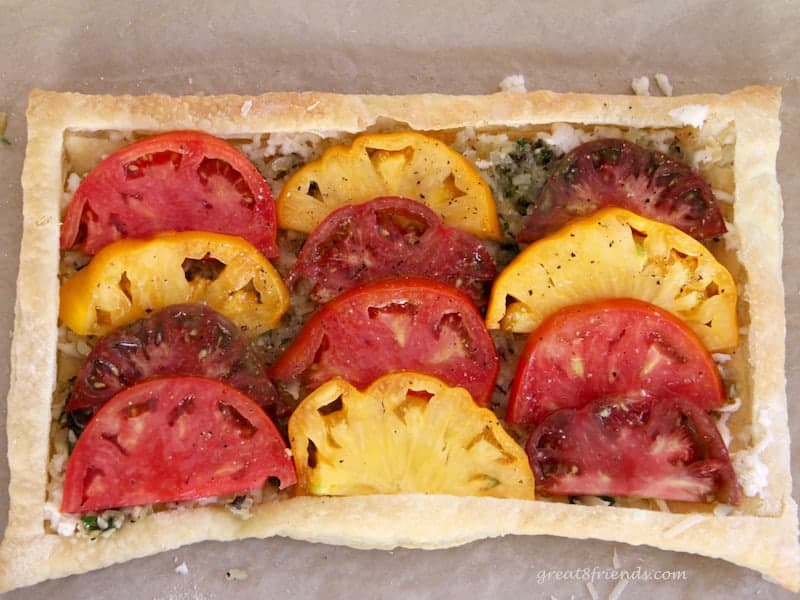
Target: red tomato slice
[(179, 181), (391, 237), (611, 347), (410, 324), (633, 445), (173, 439), (614, 172), (180, 340)]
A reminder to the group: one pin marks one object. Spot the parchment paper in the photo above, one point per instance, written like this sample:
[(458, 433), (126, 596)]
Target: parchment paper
[(396, 47)]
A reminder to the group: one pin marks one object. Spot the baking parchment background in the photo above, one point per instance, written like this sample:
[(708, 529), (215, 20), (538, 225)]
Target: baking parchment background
[(396, 47)]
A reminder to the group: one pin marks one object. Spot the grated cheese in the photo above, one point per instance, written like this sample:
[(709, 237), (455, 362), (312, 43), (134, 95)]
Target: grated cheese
[(662, 81), (750, 469), (722, 196), (618, 589), (722, 427), (693, 115), (684, 525), (564, 137), (723, 510), (592, 590), (662, 505), (513, 83), (641, 85), (182, 569)]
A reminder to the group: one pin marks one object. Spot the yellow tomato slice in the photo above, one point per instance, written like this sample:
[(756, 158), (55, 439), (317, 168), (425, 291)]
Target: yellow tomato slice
[(614, 253), (130, 278), (406, 433), (407, 164)]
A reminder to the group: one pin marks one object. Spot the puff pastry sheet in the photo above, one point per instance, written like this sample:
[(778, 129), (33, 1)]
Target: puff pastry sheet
[(764, 539)]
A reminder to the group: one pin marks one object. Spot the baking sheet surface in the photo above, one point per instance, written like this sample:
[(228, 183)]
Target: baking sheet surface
[(393, 47)]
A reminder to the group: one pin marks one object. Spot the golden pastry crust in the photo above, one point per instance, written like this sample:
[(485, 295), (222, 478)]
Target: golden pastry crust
[(763, 537)]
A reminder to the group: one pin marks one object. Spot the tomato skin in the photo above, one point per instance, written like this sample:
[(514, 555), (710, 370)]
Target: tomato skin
[(177, 181), (180, 340), (609, 347), (616, 172), (633, 445), (403, 324), (391, 237), (173, 439)]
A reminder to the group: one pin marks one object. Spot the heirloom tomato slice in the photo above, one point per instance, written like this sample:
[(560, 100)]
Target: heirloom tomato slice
[(633, 445), (388, 237), (180, 340), (590, 351), (409, 324), (405, 163), (173, 439), (178, 181), (131, 278), (615, 253), (406, 433), (616, 172)]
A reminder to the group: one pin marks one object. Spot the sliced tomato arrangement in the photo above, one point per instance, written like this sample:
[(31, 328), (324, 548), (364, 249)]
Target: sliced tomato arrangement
[(180, 340), (392, 325), (391, 236), (606, 348), (174, 439), (183, 180), (617, 172), (614, 385), (633, 445)]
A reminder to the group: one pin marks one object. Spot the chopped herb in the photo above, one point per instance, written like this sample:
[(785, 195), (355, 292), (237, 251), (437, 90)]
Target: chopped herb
[(96, 523), (520, 174), (5, 141)]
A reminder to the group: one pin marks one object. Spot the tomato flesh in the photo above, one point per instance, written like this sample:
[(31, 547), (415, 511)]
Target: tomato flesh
[(170, 440), (178, 181), (388, 237), (398, 324), (616, 172), (633, 445), (180, 340), (589, 351)]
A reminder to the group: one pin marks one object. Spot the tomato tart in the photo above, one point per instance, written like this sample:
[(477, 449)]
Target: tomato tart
[(527, 313)]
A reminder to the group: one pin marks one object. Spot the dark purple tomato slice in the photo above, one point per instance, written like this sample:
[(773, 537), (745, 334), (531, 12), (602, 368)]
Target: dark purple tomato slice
[(633, 445), (391, 237), (616, 172), (183, 339)]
